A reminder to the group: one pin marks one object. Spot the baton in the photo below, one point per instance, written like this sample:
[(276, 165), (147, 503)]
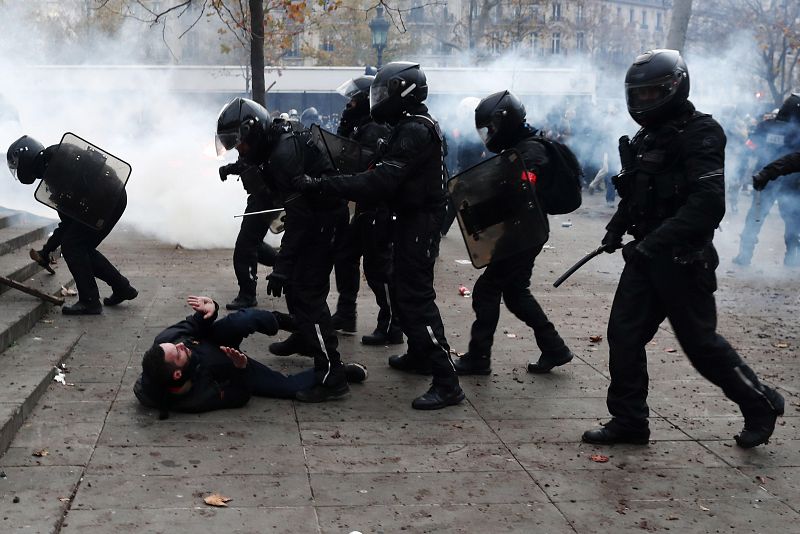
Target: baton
[(581, 262), (258, 212)]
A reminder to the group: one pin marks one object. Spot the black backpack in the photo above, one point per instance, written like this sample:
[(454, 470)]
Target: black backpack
[(562, 193)]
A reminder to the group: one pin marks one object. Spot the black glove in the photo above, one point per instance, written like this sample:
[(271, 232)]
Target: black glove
[(305, 183), (612, 242), (286, 322), (230, 168), (276, 284), (636, 253), (761, 180)]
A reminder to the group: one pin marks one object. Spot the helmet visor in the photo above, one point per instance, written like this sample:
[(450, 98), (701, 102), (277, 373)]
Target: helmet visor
[(377, 94), (483, 132), (13, 163), (348, 89), (651, 95), (226, 141)]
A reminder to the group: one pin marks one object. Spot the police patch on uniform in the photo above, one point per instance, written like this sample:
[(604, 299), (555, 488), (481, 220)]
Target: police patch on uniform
[(710, 141)]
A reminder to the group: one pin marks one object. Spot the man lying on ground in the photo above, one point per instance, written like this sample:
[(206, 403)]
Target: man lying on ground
[(196, 365)]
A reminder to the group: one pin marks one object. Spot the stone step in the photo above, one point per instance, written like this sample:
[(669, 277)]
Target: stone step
[(20, 311), (9, 218), (19, 236), (26, 369)]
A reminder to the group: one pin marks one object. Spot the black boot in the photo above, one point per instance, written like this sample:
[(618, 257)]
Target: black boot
[(83, 308), (241, 302), (291, 345), (381, 337), (120, 295), (612, 432), (43, 259), (549, 360), (438, 397), (470, 364), (345, 325), (410, 364), (355, 372), (322, 393), (760, 423)]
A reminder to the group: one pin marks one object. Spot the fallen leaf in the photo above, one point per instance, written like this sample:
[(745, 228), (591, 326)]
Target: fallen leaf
[(599, 458), (40, 453), (68, 292), (673, 518), (215, 499), (761, 480), (511, 335), (780, 345), (670, 350), (703, 508), (595, 339)]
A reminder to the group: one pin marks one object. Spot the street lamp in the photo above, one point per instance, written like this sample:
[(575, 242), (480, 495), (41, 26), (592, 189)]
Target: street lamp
[(379, 27)]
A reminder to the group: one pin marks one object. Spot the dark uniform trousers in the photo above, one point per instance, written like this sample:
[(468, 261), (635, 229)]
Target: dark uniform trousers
[(79, 247), (789, 206), (510, 279), (648, 292), (416, 247), (368, 235), (307, 295), (262, 381), (251, 234)]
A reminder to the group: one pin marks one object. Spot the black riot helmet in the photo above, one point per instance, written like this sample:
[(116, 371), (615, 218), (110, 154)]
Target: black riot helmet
[(498, 118), (309, 116), (398, 87), (22, 159), (243, 121), (357, 87), (790, 109), (656, 86)]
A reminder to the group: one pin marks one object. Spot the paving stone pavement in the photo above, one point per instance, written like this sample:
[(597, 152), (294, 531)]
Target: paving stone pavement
[(507, 460)]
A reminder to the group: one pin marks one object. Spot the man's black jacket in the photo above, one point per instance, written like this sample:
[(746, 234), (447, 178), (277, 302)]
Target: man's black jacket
[(215, 383)]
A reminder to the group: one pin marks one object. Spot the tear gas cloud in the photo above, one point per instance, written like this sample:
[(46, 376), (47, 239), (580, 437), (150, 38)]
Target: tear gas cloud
[(174, 191)]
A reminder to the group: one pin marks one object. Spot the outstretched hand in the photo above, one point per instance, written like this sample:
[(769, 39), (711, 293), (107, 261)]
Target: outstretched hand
[(238, 358), (203, 305)]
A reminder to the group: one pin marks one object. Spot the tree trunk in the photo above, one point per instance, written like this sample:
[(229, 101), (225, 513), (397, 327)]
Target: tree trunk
[(257, 50), (681, 12)]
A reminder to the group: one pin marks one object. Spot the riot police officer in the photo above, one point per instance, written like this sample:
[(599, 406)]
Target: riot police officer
[(672, 192), (28, 161), (773, 139), (368, 234), (303, 266), (254, 227), (409, 177), (500, 121)]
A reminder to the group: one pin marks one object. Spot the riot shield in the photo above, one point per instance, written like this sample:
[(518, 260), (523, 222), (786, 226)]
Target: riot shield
[(346, 155), (497, 209), (83, 181)]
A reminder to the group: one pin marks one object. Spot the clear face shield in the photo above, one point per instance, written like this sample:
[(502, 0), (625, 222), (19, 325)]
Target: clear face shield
[(225, 141), (12, 159), (377, 94), (348, 89), (485, 132), (651, 95)]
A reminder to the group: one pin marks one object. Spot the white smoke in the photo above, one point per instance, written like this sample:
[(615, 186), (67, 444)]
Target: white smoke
[(174, 192)]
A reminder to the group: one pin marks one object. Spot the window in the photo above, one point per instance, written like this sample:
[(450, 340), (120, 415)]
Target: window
[(580, 42), (619, 14), (294, 50), (579, 13), (326, 44), (659, 20), (644, 19), (556, 11), (631, 16), (556, 49), (416, 14)]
